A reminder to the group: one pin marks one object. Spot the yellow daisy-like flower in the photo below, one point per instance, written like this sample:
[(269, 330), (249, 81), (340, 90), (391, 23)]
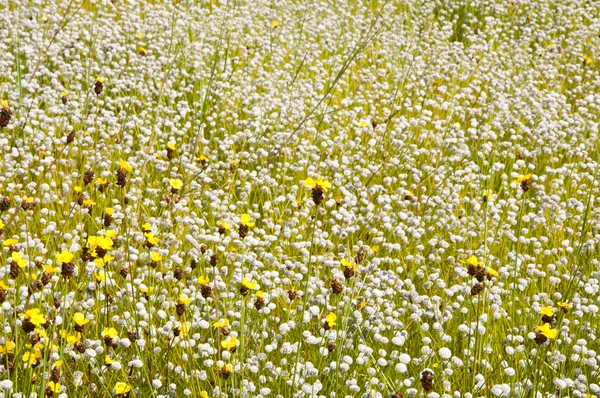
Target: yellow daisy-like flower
[(221, 324), (312, 183), (547, 331), (100, 79), (35, 316), (248, 284), (151, 238), (564, 306), (171, 146), (203, 280), (230, 343), (260, 294), (147, 227), (100, 276), (80, 319), (176, 183), (156, 257), (473, 261), (64, 257), (9, 348), (275, 24), (89, 202), (1, 224), (224, 225), (349, 264), (523, 177), (183, 299), (110, 332), (492, 273), (122, 388), (588, 60), (125, 166), (109, 211), (54, 387), (18, 259), (547, 311), (108, 360), (9, 242), (203, 394), (330, 319), (245, 219)]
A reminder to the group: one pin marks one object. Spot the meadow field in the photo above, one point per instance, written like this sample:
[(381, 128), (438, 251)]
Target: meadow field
[(286, 198)]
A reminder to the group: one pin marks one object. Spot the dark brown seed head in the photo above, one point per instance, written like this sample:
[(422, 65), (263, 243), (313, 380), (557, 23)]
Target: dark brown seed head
[(27, 326), (3, 295), (214, 259), (57, 302), (548, 319), (203, 249), (540, 338), (14, 270), (180, 309), (206, 291), (243, 290), (317, 194), (4, 203), (70, 137), (5, 115), (259, 303), (525, 185), (178, 274), (243, 231), (80, 346), (427, 380), (121, 177), (476, 289), (331, 347), (89, 176), (124, 272), (98, 86), (348, 272), (132, 335), (193, 264), (292, 294), (67, 270), (55, 375), (337, 286)]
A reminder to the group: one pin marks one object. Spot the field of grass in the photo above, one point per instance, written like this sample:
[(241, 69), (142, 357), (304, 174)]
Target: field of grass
[(285, 198)]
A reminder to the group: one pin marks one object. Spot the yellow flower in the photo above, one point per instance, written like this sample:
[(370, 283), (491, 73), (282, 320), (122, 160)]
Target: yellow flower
[(50, 269), (221, 324), (203, 394), (564, 306), (1, 224), (201, 158), (100, 276), (110, 332), (18, 259), (275, 24), (80, 319), (147, 290), (312, 183), (546, 331), (89, 202), (29, 357), (151, 238), (171, 146), (122, 388), (35, 317), (156, 257), (522, 178), (473, 261), (330, 319), (363, 123), (100, 79), (110, 233), (349, 264), (184, 328), (176, 183), (245, 220), (73, 338), (492, 273), (4, 103), (230, 343), (64, 257), (147, 227), (9, 348), (9, 242), (109, 211), (248, 284), (125, 166), (547, 311), (224, 225), (64, 93), (203, 280), (183, 299), (260, 294), (54, 387), (588, 60), (101, 181), (108, 360)]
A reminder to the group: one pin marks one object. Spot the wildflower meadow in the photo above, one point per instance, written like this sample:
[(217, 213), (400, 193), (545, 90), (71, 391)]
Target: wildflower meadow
[(284, 198)]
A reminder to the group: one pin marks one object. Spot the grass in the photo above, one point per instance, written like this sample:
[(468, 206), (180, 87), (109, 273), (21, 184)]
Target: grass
[(421, 116)]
